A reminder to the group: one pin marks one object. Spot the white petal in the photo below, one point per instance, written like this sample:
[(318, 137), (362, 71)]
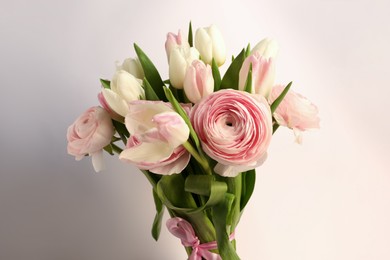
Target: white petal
[(147, 152), (97, 161), (116, 102)]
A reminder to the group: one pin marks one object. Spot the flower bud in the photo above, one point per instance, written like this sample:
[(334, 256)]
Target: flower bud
[(124, 88), (263, 74), (174, 41), (180, 59), (267, 48), (198, 82), (133, 66), (210, 44)]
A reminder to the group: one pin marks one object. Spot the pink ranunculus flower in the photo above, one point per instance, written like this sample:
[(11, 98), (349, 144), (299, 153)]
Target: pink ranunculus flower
[(235, 129), (198, 81), (156, 137), (295, 112), (263, 74), (89, 134)]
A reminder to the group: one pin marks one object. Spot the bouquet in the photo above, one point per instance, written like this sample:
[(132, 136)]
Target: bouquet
[(197, 136)]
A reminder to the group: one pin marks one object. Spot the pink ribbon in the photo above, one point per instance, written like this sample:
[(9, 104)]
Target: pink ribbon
[(183, 230)]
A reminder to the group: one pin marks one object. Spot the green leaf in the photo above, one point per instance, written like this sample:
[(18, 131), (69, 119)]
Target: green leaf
[(248, 185), (230, 79), (177, 107), (151, 73), (105, 83), (248, 50), (216, 75), (108, 149), (121, 130), (277, 101), (152, 178), (156, 228), (248, 82), (220, 213), (171, 191), (149, 92), (275, 127), (190, 35)]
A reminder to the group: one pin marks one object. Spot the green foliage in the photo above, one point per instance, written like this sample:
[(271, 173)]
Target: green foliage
[(151, 73), (156, 228), (105, 83), (216, 75), (230, 79)]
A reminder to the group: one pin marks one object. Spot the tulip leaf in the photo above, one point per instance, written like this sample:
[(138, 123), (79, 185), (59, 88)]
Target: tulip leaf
[(248, 50), (105, 83), (149, 91), (277, 101), (108, 149), (248, 82), (151, 73), (275, 127), (190, 35), (216, 75), (152, 178), (234, 187), (121, 130), (230, 79), (156, 228), (177, 107), (171, 191), (220, 213), (248, 185)]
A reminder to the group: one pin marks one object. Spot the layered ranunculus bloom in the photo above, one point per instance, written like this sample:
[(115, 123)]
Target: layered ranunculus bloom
[(295, 112), (156, 137), (89, 134), (235, 129)]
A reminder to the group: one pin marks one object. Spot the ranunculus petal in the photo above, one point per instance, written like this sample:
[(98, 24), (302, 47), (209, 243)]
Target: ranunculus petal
[(97, 161), (89, 134), (235, 129)]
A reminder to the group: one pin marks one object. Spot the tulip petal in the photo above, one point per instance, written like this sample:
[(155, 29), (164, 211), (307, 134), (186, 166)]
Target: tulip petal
[(116, 102), (147, 152)]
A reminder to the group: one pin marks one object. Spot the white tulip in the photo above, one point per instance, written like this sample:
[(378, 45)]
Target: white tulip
[(267, 48), (133, 66), (124, 88), (210, 44), (180, 59)]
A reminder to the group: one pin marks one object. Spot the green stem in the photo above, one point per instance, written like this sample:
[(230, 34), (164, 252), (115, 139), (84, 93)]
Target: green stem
[(205, 165)]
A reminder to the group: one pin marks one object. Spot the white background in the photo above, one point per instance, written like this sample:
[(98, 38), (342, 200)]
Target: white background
[(326, 199)]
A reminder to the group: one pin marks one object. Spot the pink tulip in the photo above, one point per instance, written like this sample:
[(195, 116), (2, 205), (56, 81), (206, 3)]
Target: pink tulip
[(89, 134), (198, 81), (174, 41), (235, 129), (156, 137), (263, 74), (295, 112)]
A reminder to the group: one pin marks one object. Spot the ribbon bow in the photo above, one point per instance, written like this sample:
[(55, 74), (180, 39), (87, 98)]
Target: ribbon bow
[(183, 230)]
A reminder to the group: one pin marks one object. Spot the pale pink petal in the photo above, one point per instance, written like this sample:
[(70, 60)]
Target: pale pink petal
[(97, 161), (147, 152)]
